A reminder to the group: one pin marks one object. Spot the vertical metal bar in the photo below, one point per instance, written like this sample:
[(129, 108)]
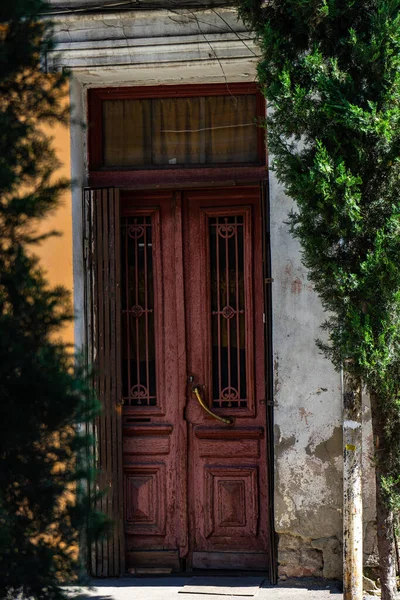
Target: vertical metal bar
[(237, 306), (137, 341), (127, 313), (219, 346), (146, 313), (228, 324)]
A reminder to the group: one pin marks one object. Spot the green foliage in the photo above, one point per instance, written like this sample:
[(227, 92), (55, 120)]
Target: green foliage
[(331, 74), (45, 399)]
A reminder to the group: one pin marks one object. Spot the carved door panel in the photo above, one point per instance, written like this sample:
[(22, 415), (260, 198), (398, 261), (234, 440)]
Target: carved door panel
[(153, 380), (225, 354)]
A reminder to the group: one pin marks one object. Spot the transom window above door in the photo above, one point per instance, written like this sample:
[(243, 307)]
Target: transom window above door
[(175, 126)]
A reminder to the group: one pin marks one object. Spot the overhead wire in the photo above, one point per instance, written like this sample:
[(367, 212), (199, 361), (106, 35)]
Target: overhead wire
[(133, 4)]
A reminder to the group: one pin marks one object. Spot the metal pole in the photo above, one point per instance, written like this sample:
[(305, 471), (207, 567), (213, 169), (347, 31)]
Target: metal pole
[(352, 487)]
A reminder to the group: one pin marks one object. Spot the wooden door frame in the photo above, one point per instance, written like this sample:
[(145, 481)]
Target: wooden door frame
[(188, 178)]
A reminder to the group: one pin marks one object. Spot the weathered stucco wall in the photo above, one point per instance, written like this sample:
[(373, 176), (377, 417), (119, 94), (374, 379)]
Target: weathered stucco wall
[(308, 434), (308, 420)]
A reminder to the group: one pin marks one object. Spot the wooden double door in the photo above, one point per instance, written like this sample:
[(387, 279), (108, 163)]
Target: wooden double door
[(193, 379), (179, 298)]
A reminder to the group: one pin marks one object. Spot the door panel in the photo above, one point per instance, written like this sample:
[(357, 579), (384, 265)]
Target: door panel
[(224, 324), (154, 438), (192, 305)]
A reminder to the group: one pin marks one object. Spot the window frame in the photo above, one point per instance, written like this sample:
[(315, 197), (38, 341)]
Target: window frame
[(96, 96)]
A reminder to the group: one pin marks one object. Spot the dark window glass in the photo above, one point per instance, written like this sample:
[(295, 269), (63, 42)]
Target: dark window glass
[(180, 131)]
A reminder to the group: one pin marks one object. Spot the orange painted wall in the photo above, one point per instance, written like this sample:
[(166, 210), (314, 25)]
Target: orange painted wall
[(56, 253)]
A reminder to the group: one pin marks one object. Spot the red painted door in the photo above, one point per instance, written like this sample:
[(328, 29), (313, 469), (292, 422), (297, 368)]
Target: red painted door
[(225, 355), (195, 487)]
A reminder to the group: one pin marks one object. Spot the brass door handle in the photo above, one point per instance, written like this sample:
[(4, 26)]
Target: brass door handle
[(227, 420)]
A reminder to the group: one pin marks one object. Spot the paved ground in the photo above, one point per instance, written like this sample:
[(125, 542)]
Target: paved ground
[(168, 588)]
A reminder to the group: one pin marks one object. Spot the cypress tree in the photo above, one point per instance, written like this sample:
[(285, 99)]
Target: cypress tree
[(331, 74), (43, 395)]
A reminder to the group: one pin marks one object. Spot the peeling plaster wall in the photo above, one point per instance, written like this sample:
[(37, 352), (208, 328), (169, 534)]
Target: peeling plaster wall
[(307, 394), (308, 420)]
